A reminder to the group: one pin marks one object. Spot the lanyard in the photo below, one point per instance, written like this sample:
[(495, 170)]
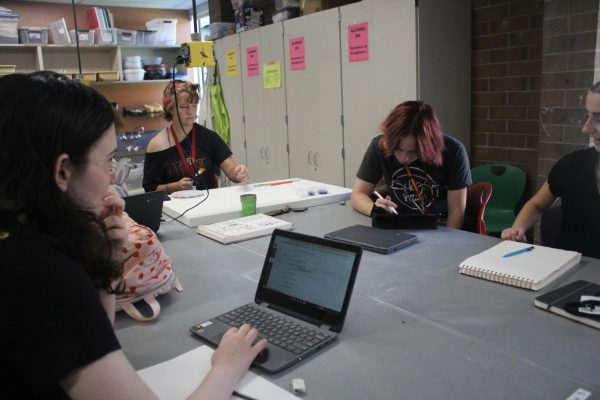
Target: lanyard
[(188, 163), (413, 183)]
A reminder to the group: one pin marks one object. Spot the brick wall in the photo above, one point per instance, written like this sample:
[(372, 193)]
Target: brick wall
[(506, 81), (569, 51)]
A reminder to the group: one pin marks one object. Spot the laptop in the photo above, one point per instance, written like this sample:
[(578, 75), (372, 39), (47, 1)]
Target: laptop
[(406, 221), (383, 241), (301, 301), (145, 208)]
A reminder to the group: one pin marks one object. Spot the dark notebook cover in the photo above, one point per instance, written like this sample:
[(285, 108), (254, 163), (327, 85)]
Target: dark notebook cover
[(565, 300)]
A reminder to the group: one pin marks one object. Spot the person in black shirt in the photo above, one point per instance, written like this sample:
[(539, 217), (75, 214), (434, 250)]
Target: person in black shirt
[(185, 155), (60, 230), (575, 178), (425, 170)]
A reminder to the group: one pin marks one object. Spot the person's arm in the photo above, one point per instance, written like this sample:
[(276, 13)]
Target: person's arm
[(236, 172), (113, 377), (457, 201), (361, 198), (529, 214)]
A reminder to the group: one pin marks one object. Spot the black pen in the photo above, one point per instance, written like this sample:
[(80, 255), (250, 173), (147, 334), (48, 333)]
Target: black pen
[(242, 396)]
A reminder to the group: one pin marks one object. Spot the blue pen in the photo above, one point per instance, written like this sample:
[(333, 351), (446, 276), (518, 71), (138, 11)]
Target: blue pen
[(514, 253)]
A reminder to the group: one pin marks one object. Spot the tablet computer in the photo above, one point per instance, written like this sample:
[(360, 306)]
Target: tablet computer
[(406, 221)]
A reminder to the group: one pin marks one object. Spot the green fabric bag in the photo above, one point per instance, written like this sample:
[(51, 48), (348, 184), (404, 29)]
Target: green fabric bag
[(220, 114)]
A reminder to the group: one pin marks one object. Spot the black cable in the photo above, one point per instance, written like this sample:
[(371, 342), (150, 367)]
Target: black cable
[(195, 16), (76, 37)]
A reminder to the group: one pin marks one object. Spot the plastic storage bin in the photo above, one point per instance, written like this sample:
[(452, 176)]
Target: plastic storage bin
[(217, 30), (126, 37), (146, 38), (86, 37), (33, 35), (106, 37), (134, 74), (166, 31), (59, 32)]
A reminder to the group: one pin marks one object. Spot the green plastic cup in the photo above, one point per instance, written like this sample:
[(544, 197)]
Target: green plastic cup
[(248, 204)]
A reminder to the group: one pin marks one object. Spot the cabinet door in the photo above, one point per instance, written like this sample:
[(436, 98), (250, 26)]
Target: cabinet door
[(264, 108), (231, 83), (314, 98), (372, 87)]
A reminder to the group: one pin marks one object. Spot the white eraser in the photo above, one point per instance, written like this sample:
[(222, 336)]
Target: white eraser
[(298, 386)]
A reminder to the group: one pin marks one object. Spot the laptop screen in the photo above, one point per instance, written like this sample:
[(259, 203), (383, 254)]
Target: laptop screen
[(309, 275)]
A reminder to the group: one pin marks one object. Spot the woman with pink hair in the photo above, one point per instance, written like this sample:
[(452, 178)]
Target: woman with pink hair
[(425, 170), (185, 154)]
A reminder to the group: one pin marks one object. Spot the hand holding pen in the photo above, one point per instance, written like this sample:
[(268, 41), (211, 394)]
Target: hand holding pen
[(386, 203)]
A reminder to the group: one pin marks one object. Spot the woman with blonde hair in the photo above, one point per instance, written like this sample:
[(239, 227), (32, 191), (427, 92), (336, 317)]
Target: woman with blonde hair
[(186, 155)]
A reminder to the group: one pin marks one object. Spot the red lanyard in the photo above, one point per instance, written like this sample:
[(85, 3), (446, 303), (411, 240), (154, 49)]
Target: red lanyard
[(188, 163), (413, 183)]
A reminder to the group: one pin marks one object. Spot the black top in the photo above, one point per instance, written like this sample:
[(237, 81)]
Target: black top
[(55, 322), (573, 179), (432, 181), (166, 166)]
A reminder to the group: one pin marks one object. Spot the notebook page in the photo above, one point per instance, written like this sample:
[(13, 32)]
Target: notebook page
[(179, 377), (535, 265)]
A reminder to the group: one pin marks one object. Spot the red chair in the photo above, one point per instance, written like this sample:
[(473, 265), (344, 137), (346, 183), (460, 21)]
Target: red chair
[(478, 196)]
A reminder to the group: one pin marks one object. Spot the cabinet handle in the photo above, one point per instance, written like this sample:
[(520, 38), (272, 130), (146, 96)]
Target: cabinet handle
[(310, 153), (268, 153), (262, 157), (316, 158)]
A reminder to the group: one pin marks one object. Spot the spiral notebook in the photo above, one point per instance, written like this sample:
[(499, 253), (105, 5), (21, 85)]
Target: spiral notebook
[(532, 269)]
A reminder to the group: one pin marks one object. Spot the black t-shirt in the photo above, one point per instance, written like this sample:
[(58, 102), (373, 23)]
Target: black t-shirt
[(55, 322), (433, 181), (573, 179), (166, 166)]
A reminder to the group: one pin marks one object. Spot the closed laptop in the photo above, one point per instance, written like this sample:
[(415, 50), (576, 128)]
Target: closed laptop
[(373, 239)]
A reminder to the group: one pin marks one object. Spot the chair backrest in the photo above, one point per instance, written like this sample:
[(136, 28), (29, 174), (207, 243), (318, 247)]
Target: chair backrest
[(478, 196), (508, 181), (550, 225)]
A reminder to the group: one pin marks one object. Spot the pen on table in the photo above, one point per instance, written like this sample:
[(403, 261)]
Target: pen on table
[(514, 253), (392, 209), (241, 396)]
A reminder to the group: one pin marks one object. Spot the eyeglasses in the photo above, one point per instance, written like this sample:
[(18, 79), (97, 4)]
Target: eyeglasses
[(109, 166)]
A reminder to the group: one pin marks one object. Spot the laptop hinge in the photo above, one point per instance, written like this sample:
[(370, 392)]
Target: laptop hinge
[(263, 305), (325, 327)]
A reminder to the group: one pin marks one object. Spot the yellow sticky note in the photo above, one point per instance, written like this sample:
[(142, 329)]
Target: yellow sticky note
[(231, 63), (272, 75)]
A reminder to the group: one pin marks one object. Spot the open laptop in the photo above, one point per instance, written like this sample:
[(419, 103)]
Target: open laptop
[(145, 208), (303, 294), (373, 239)]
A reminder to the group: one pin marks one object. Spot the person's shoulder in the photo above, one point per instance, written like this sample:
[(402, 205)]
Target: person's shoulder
[(204, 132), (452, 142), (159, 142)]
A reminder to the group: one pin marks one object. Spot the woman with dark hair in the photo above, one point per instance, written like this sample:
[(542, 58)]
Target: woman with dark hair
[(425, 170), (185, 154), (575, 178), (59, 229)]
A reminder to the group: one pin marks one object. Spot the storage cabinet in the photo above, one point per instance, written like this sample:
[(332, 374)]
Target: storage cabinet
[(334, 105), (232, 95), (265, 109), (314, 98)]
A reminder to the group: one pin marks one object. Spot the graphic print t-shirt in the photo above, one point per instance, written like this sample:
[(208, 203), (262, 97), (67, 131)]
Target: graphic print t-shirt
[(433, 182), (166, 166)]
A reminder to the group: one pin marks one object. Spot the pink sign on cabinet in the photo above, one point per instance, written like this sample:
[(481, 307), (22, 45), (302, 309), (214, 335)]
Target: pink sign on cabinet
[(252, 61), (358, 42), (297, 55)]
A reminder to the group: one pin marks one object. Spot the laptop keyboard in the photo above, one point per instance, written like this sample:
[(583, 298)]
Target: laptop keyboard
[(279, 331)]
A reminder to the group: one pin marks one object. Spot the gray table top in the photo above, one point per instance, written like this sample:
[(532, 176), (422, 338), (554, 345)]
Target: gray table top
[(416, 328)]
